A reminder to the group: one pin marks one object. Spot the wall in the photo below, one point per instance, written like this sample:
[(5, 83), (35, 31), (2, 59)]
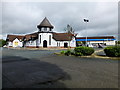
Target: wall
[(107, 42), (72, 43), (31, 43), (17, 43), (45, 36), (10, 44), (110, 42)]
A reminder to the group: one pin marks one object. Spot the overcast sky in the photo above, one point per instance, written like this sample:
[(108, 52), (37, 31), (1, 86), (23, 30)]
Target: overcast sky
[(23, 17)]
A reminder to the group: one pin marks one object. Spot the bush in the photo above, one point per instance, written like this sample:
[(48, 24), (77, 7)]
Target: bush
[(112, 51), (72, 53), (62, 52), (68, 52), (78, 54), (83, 51)]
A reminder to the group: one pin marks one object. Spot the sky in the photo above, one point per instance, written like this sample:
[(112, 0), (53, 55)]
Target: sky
[(23, 17)]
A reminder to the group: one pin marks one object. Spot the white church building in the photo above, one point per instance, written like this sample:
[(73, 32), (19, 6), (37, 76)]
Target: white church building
[(45, 37)]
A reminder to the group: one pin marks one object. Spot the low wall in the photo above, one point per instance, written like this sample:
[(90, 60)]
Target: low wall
[(44, 47)]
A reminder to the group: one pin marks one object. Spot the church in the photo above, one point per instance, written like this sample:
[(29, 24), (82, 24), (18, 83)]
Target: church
[(44, 38)]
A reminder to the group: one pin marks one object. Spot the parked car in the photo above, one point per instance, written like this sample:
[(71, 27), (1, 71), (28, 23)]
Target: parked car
[(100, 46), (90, 45)]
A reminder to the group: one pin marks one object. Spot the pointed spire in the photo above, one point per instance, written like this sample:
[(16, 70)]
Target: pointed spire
[(45, 23)]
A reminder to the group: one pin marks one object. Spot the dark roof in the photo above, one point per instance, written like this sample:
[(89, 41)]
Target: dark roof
[(21, 37), (34, 36), (31, 36), (99, 37), (13, 37), (45, 23), (63, 36)]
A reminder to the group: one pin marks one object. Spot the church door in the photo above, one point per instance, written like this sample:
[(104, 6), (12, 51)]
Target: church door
[(44, 43), (65, 45)]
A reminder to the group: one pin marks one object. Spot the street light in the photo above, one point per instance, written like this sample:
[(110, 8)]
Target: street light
[(86, 21)]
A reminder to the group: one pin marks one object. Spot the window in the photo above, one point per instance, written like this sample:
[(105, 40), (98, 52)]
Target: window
[(45, 29), (40, 38), (49, 39), (40, 29), (16, 43), (57, 44)]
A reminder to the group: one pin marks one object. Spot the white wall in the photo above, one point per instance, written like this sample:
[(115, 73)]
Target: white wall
[(31, 43), (107, 42), (10, 44), (20, 44), (54, 43), (110, 42), (73, 43), (45, 36)]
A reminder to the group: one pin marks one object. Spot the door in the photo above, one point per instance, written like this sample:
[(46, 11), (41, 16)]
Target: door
[(45, 43), (65, 45)]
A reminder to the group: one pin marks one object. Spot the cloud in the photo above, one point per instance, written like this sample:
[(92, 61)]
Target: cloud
[(19, 18), (23, 17)]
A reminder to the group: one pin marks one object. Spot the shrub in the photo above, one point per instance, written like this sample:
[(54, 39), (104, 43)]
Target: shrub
[(83, 51), (72, 53), (62, 52), (112, 51), (68, 52), (78, 54)]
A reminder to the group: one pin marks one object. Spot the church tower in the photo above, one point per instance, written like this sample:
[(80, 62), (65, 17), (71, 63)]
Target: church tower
[(45, 26)]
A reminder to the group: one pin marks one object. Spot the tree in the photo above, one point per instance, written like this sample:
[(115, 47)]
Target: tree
[(69, 30), (2, 42)]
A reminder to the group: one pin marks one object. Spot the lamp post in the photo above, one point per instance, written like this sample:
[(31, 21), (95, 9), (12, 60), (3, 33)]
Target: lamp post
[(86, 21)]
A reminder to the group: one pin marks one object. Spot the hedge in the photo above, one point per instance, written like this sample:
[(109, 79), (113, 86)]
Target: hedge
[(68, 52), (112, 51), (83, 51), (62, 52)]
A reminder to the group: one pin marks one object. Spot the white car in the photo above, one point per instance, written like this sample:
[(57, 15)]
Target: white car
[(90, 45)]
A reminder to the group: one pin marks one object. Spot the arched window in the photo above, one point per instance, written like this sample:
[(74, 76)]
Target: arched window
[(40, 38), (49, 39)]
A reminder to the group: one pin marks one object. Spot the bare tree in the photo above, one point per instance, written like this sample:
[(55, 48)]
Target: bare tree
[(69, 30)]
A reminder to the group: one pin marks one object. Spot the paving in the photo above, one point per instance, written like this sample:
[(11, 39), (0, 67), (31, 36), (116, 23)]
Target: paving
[(43, 69), (23, 72), (101, 53)]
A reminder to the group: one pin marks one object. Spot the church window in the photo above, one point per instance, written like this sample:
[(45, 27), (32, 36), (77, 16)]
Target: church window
[(59, 44), (40, 38), (49, 39)]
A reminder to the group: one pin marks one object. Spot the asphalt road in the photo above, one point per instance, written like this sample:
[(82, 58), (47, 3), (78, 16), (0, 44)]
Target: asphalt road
[(43, 69)]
